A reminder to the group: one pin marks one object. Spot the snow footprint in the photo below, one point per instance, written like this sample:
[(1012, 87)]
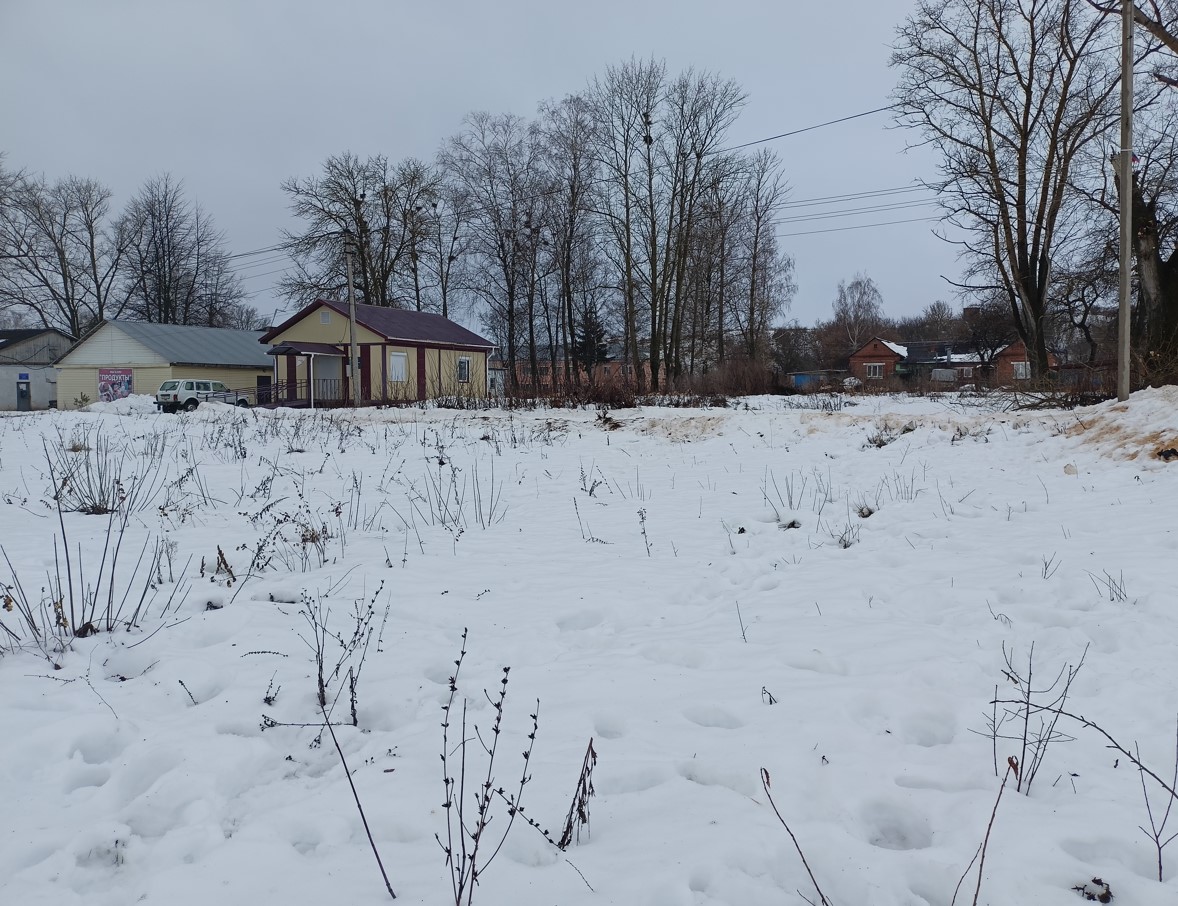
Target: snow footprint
[(609, 726), (928, 728), (713, 716), (710, 774), (582, 619), (893, 825)]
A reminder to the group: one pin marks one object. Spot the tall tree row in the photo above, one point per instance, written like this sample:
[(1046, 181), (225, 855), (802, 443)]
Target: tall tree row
[(67, 260), (612, 224)]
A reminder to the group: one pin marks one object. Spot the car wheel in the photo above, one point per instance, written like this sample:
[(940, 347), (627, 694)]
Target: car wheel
[(190, 405), (243, 404)]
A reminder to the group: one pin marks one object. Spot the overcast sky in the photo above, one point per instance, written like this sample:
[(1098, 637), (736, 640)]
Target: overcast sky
[(232, 96)]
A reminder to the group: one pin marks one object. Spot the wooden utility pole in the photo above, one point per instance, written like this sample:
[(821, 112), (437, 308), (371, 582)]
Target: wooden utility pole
[(1126, 199), (353, 353)]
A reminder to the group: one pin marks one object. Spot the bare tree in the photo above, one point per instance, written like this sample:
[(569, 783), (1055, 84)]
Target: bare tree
[(1154, 192), (495, 160), (445, 240), (1010, 94), (566, 133), (63, 253), (858, 311), (988, 328), (712, 270), (622, 102), (1159, 18), (176, 269), (387, 208), (769, 274)]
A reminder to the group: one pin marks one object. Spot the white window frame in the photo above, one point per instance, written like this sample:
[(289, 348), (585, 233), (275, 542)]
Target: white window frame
[(873, 370), (464, 360), (404, 369), (324, 316), (1022, 371), (965, 372)]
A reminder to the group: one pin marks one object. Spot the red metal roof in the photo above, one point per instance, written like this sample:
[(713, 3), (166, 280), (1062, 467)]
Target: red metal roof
[(395, 324)]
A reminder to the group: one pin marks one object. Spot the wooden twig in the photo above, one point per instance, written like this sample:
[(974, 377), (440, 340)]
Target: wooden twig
[(1011, 766), (359, 807), (765, 785)]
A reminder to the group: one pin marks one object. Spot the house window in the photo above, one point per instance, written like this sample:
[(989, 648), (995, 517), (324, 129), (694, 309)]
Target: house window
[(398, 367), (463, 370), (1022, 371), (324, 316), (873, 369), (965, 373)]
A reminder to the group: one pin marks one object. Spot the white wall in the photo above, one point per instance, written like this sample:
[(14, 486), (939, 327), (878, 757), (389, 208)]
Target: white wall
[(42, 380)]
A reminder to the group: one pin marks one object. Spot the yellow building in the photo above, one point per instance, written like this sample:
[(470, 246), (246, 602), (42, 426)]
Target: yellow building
[(118, 358), (404, 356)]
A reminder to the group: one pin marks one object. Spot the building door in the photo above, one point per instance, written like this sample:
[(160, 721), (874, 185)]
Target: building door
[(24, 396), (264, 385)]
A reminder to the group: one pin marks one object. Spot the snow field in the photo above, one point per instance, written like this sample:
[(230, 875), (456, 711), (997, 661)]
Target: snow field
[(854, 657)]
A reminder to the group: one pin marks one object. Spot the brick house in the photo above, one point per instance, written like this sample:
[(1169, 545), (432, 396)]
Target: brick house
[(874, 363), (927, 363), (1012, 365)]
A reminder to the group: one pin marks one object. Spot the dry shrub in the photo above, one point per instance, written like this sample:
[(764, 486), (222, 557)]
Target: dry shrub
[(733, 377)]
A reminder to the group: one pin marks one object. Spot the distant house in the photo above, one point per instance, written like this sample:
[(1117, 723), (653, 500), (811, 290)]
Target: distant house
[(938, 363), (404, 356), (875, 362), (27, 379), (1012, 365), (118, 358), (927, 363)]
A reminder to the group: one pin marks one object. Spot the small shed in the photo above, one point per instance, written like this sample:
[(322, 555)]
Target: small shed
[(813, 381), (28, 380), (118, 358), (404, 356)]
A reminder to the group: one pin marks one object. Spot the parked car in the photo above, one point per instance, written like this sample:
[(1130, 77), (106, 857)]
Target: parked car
[(188, 394)]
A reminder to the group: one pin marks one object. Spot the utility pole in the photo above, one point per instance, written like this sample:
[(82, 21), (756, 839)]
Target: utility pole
[(353, 353), (1126, 198)]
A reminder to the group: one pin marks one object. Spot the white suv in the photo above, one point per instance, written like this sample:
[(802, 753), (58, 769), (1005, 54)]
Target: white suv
[(188, 394)]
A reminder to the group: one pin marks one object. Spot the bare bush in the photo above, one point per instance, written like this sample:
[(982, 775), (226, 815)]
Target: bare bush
[(469, 809)]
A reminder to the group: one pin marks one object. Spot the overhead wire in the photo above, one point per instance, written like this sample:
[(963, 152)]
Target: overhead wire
[(858, 226), (855, 212), (772, 138)]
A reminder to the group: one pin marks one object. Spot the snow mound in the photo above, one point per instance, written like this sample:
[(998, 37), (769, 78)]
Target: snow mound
[(135, 404), (1142, 428)]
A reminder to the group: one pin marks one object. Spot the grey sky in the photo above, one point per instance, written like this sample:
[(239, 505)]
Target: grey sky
[(232, 96)]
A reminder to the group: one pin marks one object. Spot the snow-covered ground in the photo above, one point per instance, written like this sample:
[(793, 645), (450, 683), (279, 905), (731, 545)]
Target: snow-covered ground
[(835, 597)]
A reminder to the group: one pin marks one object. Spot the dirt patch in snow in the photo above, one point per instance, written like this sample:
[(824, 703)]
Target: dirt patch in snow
[(681, 430), (1141, 428)]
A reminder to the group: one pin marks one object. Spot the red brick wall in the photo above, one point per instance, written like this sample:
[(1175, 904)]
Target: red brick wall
[(873, 353)]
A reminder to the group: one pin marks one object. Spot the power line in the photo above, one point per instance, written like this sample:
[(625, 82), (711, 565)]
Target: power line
[(873, 193), (281, 270), (854, 212), (861, 226), (773, 138)]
